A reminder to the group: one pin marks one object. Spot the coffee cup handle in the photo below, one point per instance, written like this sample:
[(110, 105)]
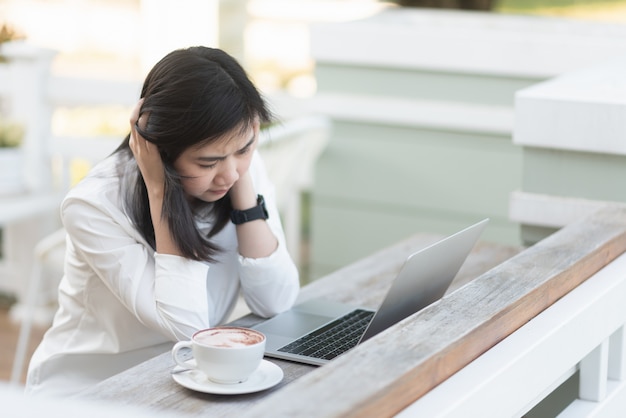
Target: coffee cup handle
[(177, 347)]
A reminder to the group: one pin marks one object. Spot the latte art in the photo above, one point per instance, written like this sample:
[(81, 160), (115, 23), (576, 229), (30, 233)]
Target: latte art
[(228, 337), (225, 355)]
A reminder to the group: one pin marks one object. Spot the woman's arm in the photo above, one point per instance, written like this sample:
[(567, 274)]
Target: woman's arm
[(166, 293), (255, 238), (269, 284)]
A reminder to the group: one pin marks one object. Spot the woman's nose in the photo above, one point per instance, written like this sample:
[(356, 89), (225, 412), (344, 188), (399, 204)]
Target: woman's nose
[(228, 174)]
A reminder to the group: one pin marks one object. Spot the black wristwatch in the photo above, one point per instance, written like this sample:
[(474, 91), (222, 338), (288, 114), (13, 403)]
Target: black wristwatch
[(258, 212)]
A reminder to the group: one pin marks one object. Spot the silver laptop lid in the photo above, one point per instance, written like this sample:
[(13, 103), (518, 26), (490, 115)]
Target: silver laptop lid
[(424, 278)]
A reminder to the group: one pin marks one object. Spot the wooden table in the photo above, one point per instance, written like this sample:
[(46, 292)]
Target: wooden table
[(363, 283)]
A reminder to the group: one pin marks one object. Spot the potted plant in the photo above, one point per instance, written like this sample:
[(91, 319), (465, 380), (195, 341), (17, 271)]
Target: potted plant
[(8, 34), (11, 137)]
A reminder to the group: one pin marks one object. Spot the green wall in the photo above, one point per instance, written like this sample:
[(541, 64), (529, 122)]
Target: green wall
[(376, 185), (595, 176), (380, 182), (570, 174)]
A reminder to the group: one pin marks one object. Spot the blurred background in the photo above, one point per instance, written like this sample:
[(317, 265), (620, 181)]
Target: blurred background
[(398, 117), (122, 39)]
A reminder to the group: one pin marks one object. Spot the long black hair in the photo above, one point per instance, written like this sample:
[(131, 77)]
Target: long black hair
[(192, 96)]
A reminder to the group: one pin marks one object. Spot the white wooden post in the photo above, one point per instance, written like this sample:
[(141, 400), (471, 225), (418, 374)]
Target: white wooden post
[(29, 215), (29, 73), (617, 350), (593, 373)]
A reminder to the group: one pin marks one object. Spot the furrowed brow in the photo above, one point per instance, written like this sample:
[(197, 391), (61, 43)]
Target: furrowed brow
[(212, 158)]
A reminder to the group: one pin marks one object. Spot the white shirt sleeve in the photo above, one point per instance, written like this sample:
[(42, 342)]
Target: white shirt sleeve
[(269, 285), (166, 293)]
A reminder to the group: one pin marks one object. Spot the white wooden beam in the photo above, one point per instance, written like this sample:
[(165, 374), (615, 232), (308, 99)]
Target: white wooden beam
[(617, 355), (583, 110), (460, 42), (593, 373), (551, 211)]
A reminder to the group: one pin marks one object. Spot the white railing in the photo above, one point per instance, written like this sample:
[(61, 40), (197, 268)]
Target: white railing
[(582, 333)]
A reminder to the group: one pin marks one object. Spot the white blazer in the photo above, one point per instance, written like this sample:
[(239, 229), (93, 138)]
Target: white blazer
[(120, 303)]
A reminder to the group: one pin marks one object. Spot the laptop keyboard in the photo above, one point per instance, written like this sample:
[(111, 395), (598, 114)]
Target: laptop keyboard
[(334, 338)]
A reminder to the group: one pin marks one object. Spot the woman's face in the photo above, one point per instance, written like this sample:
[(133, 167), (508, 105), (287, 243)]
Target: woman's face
[(209, 171)]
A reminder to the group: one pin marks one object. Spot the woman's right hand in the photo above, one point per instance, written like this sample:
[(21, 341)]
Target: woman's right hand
[(146, 154), (153, 172)]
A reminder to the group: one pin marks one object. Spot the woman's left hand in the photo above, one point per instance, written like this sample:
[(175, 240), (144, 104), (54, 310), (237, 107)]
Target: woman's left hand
[(242, 194)]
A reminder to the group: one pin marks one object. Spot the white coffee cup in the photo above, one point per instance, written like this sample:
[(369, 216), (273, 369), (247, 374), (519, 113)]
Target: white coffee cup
[(226, 355)]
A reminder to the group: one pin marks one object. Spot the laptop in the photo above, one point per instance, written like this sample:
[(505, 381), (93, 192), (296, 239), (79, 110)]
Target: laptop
[(318, 330)]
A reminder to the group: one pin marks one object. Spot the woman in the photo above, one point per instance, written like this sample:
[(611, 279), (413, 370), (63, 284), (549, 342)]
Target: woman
[(164, 234)]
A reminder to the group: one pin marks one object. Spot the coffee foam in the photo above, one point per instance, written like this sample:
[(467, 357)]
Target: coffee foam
[(228, 337)]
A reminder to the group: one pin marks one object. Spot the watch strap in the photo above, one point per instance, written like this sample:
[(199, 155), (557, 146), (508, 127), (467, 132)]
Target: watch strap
[(259, 211)]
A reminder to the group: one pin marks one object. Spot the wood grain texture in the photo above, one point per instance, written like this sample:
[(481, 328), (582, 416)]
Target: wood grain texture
[(390, 371), (364, 283)]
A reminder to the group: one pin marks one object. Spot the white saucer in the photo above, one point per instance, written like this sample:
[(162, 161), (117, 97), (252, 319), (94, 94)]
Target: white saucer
[(267, 375)]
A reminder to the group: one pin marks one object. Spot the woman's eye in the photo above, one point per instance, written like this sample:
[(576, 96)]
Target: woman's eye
[(208, 165)]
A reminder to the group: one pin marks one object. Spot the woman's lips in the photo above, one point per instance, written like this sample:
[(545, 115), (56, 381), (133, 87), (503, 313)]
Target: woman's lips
[(219, 192)]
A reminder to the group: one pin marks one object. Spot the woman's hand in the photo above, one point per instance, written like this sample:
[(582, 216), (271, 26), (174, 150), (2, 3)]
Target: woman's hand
[(146, 154), (153, 172), (242, 194)]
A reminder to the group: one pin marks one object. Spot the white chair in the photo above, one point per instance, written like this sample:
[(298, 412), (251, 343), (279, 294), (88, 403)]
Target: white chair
[(290, 151), (48, 258)]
